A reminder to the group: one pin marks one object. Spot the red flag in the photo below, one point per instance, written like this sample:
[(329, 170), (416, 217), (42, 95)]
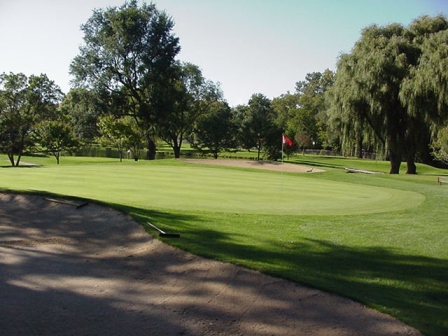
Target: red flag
[(286, 141)]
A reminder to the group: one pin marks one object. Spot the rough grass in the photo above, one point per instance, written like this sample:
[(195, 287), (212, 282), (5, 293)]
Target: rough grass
[(379, 239)]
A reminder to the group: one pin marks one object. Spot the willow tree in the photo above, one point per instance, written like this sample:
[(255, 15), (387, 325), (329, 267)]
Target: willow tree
[(373, 77), (425, 92), (127, 51), (348, 110)]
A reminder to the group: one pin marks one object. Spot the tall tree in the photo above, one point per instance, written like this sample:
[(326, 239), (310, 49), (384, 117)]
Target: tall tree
[(311, 118), (216, 130), (259, 128), (348, 110), (373, 88), (181, 101), (302, 115), (83, 107), (424, 92), (24, 102), (128, 50)]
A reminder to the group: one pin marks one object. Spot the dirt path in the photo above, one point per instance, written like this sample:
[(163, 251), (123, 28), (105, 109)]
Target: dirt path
[(93, 271)]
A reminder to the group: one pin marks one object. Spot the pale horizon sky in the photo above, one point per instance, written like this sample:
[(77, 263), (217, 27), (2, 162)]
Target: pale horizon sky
[(248, 46)]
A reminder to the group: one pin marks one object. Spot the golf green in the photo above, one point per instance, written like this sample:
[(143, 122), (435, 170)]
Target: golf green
[(213, 189)]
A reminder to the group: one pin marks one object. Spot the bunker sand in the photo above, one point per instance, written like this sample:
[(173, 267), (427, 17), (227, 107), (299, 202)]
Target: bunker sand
[(267, 165), (94, 271)]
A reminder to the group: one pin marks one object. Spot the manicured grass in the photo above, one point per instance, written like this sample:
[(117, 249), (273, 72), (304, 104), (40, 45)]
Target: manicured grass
[(379, 239)]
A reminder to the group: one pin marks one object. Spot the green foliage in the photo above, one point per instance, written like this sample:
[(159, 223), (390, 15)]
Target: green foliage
[(123, 133), (181, 101), (55, 136), (24, 102), (259, 128), (440, 145), (381, 96), (302, 115), (83, 108), (216, 130), (129, 53)]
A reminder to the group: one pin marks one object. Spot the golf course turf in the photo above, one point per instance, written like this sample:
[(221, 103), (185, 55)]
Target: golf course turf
[(379, 239)]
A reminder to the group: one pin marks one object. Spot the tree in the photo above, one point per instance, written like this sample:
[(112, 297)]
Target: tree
[(24, 102), (216, 130), (83, 107), (259, 128), (128, 51), (55, 136), (377, 89), (347, 113), (122, 133), (424, 92), (309, 118), (181, 101), (303, 113), (440, 145)]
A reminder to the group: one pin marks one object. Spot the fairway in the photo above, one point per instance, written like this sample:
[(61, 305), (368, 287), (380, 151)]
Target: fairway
[(212, 189)]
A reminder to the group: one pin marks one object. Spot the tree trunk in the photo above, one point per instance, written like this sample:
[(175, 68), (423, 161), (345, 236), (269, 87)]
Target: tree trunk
[(11, 159), (359, 145), (19, 156), (411, 167), (120, 153), (176, 150), (395, 161), (151, 153)]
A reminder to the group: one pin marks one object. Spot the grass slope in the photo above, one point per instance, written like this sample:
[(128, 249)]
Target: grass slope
[(379, 239)]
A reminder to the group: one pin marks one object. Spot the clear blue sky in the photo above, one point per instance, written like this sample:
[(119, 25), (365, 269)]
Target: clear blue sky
[(249, 46)]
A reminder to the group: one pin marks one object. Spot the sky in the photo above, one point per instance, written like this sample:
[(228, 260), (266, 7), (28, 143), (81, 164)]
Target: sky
[(248, 46)]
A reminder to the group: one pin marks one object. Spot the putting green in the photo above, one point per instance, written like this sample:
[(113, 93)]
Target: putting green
[(215, 189)]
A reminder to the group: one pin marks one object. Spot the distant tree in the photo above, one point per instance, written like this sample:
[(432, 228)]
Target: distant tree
[(286, 106), (238, 115), (55, 136), (83, 107), (184, 98), (259, 128), (303, 113), (129, 51), (216, 130), (303, 141), (310, 117), (123, 133), (24, 102)]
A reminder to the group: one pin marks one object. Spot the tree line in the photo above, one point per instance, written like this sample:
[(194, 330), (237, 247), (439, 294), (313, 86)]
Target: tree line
[(388, 96)]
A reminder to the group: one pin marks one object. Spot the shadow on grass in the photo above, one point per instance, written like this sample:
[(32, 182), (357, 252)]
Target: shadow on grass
[(411, 288)]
